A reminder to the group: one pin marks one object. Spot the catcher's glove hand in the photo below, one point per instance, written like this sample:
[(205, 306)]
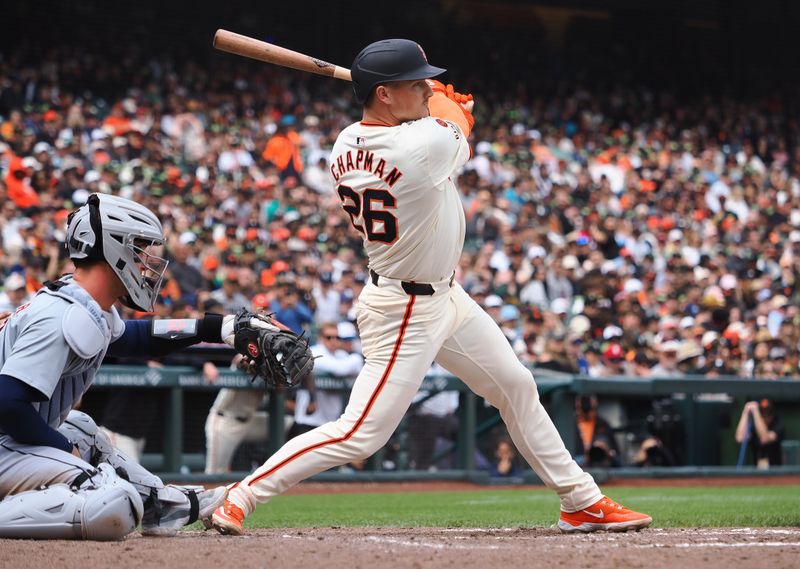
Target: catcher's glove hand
[(270, 351)]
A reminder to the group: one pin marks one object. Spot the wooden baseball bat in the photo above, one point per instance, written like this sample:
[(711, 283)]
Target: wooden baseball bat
[(256, 49)]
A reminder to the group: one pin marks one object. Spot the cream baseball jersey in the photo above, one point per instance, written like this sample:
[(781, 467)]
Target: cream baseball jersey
[(396, 183)]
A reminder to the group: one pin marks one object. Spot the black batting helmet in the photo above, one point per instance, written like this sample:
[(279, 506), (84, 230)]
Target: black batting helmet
[(389, 60)]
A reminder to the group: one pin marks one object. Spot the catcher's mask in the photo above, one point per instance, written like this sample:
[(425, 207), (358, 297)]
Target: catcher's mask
[(128, 237)]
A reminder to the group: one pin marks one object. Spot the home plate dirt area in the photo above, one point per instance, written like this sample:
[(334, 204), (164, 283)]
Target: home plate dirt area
[(428, 548), (418, 548)]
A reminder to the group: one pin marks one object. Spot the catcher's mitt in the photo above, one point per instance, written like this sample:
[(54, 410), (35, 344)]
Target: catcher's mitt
[(271, 352)]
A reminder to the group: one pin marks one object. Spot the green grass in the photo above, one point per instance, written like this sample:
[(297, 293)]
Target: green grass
[(742, 506)]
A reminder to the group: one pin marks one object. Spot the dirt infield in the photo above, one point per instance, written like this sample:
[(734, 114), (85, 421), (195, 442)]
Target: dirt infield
[(427, 548), (420, 548)]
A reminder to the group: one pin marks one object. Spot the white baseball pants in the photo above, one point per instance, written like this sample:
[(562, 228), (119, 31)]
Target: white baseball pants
[(233, 419), (401, 335)]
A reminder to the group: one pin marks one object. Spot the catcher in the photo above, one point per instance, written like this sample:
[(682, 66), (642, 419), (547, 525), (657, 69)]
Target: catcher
[(60, 478)]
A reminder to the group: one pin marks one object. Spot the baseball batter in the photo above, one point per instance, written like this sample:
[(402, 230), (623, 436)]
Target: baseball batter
[(395, 173), (60, 477)]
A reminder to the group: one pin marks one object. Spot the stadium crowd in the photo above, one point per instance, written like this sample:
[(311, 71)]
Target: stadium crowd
[(611, 232)]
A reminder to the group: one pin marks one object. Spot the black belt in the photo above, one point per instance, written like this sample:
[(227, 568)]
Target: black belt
[(410, 287)]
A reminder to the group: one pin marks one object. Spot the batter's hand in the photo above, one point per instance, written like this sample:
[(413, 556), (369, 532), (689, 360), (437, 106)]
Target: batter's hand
[(465, 101)]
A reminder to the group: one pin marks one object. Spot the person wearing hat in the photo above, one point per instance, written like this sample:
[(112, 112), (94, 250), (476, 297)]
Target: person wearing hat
[(761, 428), (396, 171), (667, 365), (509, 323), (493, 304), (14, 294), (229, 295), (556, 356), (690, 357), (613, 361), (60, 476)]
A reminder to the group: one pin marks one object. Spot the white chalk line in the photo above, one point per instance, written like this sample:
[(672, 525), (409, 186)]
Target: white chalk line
[(419, 543), (440, 546)]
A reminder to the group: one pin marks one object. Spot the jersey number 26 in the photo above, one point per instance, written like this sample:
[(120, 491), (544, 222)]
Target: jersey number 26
[(378, 224)]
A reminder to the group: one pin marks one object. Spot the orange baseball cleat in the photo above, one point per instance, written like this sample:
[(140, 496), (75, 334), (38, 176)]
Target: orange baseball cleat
[(604, 515), (228, 518)]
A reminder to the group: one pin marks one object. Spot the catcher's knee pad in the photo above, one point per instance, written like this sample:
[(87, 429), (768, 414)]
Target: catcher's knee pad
[(112, 508), (105, 508), (96, 449), (81, 430)]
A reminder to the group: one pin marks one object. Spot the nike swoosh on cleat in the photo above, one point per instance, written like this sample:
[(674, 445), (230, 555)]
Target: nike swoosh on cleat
[(599, 516)]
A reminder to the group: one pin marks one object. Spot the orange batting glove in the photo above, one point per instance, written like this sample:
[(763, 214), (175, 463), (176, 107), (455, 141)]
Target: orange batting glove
[(436, 86), (462, 100), (464, 103)]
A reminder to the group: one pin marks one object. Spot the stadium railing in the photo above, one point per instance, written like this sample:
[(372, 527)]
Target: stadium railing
[(707, 410)]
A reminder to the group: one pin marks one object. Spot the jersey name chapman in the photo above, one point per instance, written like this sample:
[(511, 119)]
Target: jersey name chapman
[(365, 161)]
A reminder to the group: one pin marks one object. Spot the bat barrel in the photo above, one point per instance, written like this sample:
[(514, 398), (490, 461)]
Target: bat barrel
[(238, 44)]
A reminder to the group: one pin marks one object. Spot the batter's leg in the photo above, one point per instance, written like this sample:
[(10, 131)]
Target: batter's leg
[(377, 404), (396, 363), (480, 355)]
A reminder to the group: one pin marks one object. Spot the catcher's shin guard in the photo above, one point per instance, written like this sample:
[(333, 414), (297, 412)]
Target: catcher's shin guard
[(179, 506), (104, 508), (166, 508)]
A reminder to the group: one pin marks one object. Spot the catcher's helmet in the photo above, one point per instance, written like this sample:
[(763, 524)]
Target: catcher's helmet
[(389, 60), (120, 232)]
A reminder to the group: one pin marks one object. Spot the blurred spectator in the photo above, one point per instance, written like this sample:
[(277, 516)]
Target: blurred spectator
[(505, 462), (761, 429), (289, 309), (317, 176), (283, 150), (509, 324), (613, 362), (672, 218), (334, 355), (229, 296), (667, 365), (432, 426), (594, 445), (327, 299), (492, 304), (556, 357), (15, 293), (653, 452), (690, 358), (184, 267)]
